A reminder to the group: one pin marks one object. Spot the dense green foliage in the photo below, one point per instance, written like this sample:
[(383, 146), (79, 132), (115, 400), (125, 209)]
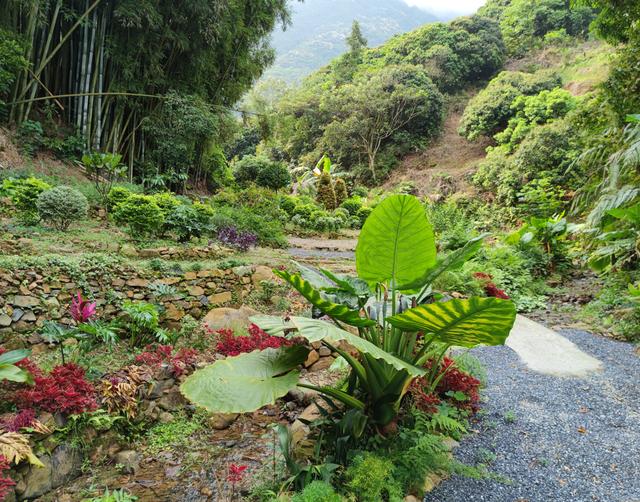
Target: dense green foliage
[(153, 81), (491, 109)]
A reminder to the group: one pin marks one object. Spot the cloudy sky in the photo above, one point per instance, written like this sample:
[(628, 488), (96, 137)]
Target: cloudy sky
[(448, 6)]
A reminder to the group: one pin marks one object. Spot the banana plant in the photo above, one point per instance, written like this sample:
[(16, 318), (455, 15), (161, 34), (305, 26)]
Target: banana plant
[(395, 256), (8, 369)]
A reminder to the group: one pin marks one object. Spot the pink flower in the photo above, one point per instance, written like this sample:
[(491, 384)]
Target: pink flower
[(82, 310)]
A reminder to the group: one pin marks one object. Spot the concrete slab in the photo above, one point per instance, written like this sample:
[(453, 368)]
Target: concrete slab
[(545, 351)]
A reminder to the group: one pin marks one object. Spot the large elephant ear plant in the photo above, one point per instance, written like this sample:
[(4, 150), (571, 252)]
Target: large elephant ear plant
[(396, 256)]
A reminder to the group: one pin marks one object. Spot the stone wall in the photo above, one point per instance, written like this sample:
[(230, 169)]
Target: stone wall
[(30, 297)]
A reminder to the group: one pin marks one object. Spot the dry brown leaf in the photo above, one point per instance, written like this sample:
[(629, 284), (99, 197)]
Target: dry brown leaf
[(15, 448)]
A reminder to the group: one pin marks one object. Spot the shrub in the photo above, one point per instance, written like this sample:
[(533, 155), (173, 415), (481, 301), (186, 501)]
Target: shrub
[(117, 195), (340, 188), (363, 213), (326, 196), (64, 390), (230, 344), (141, 214), (62, 206), (288, 204), (261, 223), (187, 221), (274, 175), (317, 491), (352, 204), (30, 137), (370, 478), (24, 194), (167, 202)]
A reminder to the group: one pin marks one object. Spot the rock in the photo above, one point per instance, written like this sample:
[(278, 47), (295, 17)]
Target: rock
[(137, 283), (220, 298), (158, 388), (172, 400), (25, 301), (261, 273), (37, 480), (324, 351), (224, 317), (172, 313), (195, 291), (322, 364), (66, 462), (243, 271), (5, 320), (221, 421), (17, 314), (128, 250), (411, 498), (129, 460), (449, 443), (302, 395), (166, 417), (190, 276), (310, 413), (312, 358), (29, 317)]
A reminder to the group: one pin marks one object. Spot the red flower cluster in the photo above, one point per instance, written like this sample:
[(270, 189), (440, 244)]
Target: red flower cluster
[(24, 418), (490, 289), (64, 390), (453, 380), (180, 362), (231, 345), (236, 473), (5, 483)]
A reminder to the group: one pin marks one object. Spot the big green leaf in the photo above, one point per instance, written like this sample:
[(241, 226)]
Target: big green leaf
[(396, 242), (12, 373), (334, 310), (453, 260), (465, 323), (246, 382), (315, 330)]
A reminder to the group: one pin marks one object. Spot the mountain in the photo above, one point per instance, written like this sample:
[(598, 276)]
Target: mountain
[(317, 33)]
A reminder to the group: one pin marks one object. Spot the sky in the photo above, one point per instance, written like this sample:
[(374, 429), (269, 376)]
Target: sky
[(460, 7)]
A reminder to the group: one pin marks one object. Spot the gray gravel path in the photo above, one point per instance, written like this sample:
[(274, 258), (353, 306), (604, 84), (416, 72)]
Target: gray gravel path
[(555, 439)]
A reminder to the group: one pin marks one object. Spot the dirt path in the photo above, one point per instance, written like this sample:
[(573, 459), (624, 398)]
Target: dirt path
[(444, 166)]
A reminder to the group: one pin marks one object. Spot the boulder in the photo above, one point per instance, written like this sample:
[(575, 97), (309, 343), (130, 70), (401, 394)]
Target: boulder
[(262, 273), (224, 317), (66, 463), (37, 480), (312, 358), (129, 251), (322, 364), (5, 320), (172, 400)]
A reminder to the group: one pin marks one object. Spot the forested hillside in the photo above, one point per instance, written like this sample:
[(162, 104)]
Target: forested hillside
[(319, 27)]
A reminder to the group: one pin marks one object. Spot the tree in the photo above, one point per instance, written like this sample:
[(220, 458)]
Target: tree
[(326, 195), (356, 40), (375, 107), (617, 20), (340, 188)]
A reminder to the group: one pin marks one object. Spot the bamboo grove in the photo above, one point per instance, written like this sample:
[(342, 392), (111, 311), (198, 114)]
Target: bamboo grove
[(105, 67)]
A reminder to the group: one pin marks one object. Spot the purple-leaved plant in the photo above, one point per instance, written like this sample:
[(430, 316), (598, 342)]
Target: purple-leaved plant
[(82, 310), (241, 240)]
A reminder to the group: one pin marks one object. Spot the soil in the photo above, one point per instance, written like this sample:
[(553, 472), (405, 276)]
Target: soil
[(445, 166)]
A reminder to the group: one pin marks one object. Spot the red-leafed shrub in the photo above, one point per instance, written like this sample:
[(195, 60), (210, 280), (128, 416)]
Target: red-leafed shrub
[(5, 483), (181, 362), (231, 345), (456, 380), (64, 390), (452, 380), (490, 289), (24, 418)]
